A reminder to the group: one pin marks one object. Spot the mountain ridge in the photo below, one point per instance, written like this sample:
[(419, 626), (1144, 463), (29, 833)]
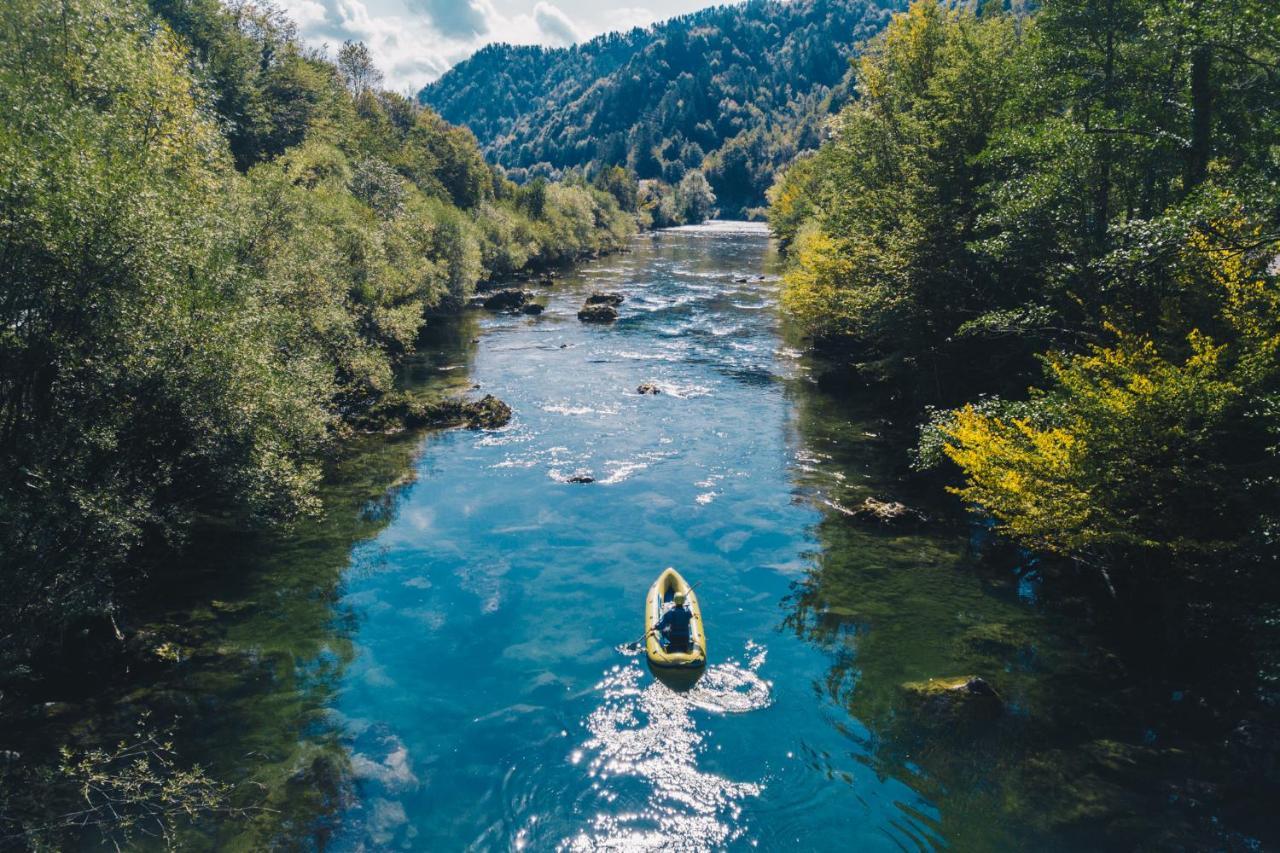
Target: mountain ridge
[(734, 91)]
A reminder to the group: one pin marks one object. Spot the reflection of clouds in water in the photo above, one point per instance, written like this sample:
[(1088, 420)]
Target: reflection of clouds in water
[(393, 772), (648, 732)]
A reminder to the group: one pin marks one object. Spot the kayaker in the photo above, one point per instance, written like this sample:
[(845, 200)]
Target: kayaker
[(674, 625)]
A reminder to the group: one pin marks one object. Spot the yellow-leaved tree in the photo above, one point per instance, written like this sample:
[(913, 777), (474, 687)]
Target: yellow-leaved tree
[(1137, 445)]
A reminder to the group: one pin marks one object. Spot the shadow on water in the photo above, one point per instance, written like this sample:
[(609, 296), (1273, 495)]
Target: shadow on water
[(1113, 735)]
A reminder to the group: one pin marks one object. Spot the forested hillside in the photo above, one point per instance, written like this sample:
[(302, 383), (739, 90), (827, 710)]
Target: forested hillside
[(734, 92), (214, 246), (1083, 200)]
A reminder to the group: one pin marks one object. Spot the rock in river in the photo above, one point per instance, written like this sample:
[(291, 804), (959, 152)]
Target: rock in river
[(599, 298), (487, 413), (968, 696), (887, 512), (648, 388), (598, 313), (507, 299), (533, 308)]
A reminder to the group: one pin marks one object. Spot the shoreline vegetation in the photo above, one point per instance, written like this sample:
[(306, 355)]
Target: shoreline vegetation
[(217, 245), (1051, 237)]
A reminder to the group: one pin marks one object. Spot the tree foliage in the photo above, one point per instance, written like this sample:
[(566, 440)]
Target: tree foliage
[(1094, 182)]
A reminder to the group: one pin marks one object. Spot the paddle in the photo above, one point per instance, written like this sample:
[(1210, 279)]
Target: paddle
[(631, 647)]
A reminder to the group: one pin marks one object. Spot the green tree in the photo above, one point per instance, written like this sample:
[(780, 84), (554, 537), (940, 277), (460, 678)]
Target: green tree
[(356, 65), (694, 198)]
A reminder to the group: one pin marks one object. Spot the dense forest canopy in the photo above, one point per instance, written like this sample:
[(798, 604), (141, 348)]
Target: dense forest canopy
[(734, 92), (1083, 200), (214, 245)]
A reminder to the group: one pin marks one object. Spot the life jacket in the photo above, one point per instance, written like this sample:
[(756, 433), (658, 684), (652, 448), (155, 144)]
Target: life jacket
[(675, 624)]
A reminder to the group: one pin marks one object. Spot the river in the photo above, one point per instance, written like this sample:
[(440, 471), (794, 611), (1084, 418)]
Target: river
[(440, 662)]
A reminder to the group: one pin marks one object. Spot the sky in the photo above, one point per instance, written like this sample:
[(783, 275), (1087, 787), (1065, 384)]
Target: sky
[(415, 41)]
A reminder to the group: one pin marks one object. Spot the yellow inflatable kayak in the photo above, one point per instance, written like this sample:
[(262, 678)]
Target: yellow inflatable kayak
[(678, 670)]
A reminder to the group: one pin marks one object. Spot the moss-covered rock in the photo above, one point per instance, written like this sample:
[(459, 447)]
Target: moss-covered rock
[(487, 413), (507, 299), (598, 314), (968, 696), (400, 411)]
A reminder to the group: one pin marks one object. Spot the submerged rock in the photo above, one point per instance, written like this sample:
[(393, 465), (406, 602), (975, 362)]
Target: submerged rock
[(598, 314), (508, 299), (648, 388), (581, 478), (966, 695), (599, 298), (887, 512)]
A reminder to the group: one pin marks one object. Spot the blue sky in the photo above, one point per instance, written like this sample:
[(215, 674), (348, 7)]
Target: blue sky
[(415, 41)]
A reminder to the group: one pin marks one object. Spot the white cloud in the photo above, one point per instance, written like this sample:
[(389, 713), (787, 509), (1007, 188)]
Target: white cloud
[(630, 17), (456, 18), (555, 24), (416, 41)]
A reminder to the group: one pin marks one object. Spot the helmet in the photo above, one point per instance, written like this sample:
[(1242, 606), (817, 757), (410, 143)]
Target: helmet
[(679, 598)]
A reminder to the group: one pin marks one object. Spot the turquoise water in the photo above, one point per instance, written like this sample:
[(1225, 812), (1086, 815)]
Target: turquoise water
[(490, 701), (440, 661)]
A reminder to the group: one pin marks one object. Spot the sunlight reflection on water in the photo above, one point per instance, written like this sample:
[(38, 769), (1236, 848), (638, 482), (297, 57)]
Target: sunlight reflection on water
[(647, 732)]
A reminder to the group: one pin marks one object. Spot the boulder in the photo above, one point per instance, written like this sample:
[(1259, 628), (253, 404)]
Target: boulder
[(533, 309), (598, 314), (507, 299), (398, 410), (599, 298), (547, 280), (487, 413), (968, 696), (581, 478), (648, 388)]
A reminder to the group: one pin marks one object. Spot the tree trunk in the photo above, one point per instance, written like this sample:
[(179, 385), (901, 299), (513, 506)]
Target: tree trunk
[(1200, 148)]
